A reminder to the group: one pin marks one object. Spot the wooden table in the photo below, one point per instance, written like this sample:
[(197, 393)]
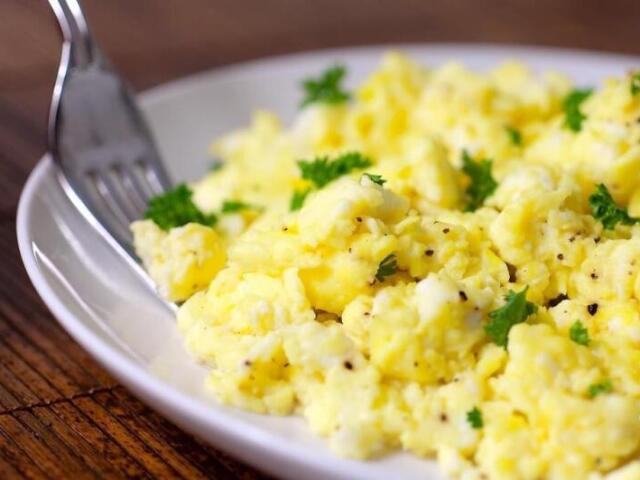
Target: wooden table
[(61, 415)]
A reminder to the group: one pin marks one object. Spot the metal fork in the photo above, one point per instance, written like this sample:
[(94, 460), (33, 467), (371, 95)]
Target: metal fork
[(109, 164)]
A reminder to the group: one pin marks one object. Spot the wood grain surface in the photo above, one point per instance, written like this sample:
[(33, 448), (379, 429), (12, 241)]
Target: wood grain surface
[(61, 415)]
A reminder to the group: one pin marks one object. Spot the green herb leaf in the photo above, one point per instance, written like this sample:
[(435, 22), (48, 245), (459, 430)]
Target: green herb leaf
[(215, 165), (579, 334), (327, 88), (573, 115), (605, 209), (482, 183), (298, 198), (600, 388), (388, 266), (514, 135), (175, 208), (514, 311), (322, 171), (474, 417), (376, 178), (635, 83), (233, 206)]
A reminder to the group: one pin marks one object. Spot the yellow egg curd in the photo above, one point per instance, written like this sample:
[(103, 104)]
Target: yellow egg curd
[(369, 310)]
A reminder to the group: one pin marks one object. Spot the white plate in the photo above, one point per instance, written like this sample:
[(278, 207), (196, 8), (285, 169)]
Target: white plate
[(110, 312)]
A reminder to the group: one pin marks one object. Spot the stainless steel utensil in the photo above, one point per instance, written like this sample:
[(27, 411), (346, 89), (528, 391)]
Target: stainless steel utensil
[(109, 164)]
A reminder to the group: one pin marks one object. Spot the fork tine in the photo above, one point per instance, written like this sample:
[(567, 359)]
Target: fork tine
[(113, 198), (109, 216), (156, 181), (133, 188)]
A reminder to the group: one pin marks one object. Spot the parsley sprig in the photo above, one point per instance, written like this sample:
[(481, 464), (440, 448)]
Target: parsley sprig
[(579, 333), (600, 388), (482, 183), (514, 135), (474, 417), (387, 267), (327, 88), (322, 171), (573, 115), (376, 178), (514, 311), (234, 206), (175, 208), (215, 165), (635, 83), (298, 198), (605, 209)]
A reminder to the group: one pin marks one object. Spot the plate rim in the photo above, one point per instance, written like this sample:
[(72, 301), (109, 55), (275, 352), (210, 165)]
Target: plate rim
[(240, 438), (162, 396), (163, 90)]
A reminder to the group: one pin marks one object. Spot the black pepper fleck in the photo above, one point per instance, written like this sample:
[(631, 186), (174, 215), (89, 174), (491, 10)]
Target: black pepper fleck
[(594, 275), (348, 365), (359, 219), (592, 308), (428, 252), (463, 296), (560, 256), (444, 417), (446, 230), (597, 239)]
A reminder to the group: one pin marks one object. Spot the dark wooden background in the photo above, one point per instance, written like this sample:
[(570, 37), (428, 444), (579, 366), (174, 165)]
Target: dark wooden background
[(61, 415)]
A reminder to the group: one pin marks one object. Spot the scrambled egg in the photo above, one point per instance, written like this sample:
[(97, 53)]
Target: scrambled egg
[(286, 309)]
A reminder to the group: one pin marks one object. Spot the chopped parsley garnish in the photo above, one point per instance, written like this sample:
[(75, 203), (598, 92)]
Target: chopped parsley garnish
[(388, 266), (605, 209), (175, 208), (322, 171), (573, 115), (514, 135), (215, 166), (233, 206), (514, 311), (635, 83), (298, 198), (579, 334), (482, 183), (474, 417), (376, 178), (600, 388), (327, 88)]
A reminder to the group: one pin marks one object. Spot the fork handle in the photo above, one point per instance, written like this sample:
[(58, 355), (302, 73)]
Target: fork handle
[(75, 31)]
